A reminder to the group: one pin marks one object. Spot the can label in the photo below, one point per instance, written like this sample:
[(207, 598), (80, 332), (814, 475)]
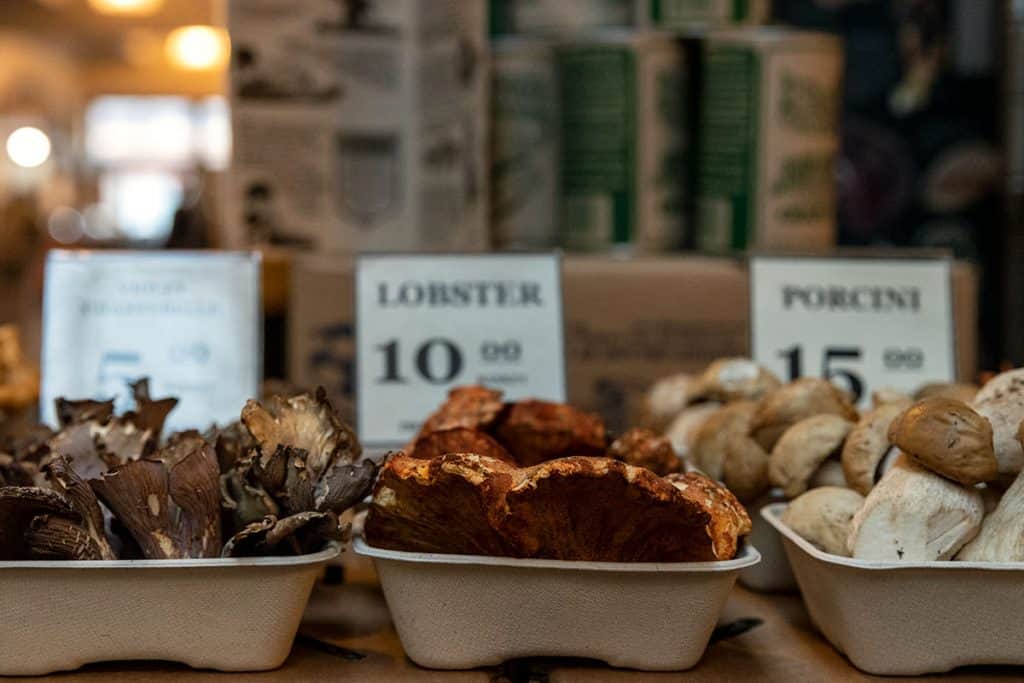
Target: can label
[(670, 14), (768, 146), (524, 159), (558, 16), (622, 134)]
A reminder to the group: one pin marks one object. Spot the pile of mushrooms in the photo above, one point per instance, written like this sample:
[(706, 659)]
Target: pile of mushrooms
[(914, 478), (104, 486)]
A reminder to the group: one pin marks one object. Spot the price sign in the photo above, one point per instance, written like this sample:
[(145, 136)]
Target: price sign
[(190, 321), (427, 323), (864, 324)]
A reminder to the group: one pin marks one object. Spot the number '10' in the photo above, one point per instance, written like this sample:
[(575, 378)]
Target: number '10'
[(435, 367)]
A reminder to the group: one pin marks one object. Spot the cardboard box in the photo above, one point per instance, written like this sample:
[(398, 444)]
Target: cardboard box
[(628, 322), (359, 126)]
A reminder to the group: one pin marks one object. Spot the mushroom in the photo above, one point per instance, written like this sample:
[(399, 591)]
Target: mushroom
[(960, 392), (264, 537), (823, 516), (682, 432), (644, 448), (82, 500), (306, 455), (1001, 401), (724, 451), (538, 431), (666, 399), (867, 445), (829, 474), (787, 405), (735, 379), (171, 508), (949, 438), (885, 396), (803, 449), (914, 515), (1001, 538), (459, 440)]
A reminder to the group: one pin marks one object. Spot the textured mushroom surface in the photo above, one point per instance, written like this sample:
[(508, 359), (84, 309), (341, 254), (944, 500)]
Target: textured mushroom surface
[(781, 409), (823, 517), (576, 508), (1001, 538), (866, 446), (644, 448), (472, 407), (724, 451), (537, 431), (735, 379), (949, 438), (914, 515), (683, 430), (666, 399), (730, 521), (803, 449), (459, 440), (1001, 402)]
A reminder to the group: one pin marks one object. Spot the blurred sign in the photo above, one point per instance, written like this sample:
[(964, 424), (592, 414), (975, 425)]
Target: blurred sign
[(865, 324), (191, 321), (425, 324)]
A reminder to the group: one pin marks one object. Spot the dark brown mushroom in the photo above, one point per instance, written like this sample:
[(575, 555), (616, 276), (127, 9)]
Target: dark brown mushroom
[(19, 505), (83, 501)]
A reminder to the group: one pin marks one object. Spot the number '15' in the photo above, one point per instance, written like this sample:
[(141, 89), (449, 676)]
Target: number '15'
[(794, 362)]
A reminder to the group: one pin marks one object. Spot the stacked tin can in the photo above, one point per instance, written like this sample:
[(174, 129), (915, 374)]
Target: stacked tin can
[(632, 124)]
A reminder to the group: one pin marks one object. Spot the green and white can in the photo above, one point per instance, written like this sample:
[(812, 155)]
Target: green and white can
[(695, 14), (558, 17), (768, 140), (623, 99), (524, 143)]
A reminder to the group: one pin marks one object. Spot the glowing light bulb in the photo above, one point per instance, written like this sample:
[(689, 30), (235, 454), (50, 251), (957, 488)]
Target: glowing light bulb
[(28, 147), (197, 47), (135, 7)]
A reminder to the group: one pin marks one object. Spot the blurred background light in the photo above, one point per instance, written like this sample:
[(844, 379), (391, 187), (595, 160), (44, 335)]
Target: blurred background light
[(132, 7), (198, 48), (65, 225), (28, 147)]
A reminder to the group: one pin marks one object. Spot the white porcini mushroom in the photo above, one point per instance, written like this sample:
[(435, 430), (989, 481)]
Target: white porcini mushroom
[(682, 433), (781, 409), (822, 517), (724, 451), (829, 474), (960, 392), (867, 445), (886, 396), (735, 379), (803, 449), (666, 399), (1001, 538), (914, 515), (947, 437), (1001, 401)]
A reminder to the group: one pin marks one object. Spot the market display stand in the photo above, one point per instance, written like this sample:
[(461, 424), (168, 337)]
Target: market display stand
[(784, 648)]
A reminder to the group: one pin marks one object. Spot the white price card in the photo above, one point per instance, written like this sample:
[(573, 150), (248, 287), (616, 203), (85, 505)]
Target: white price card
[(190, 321), (866, 324), (427, 323)]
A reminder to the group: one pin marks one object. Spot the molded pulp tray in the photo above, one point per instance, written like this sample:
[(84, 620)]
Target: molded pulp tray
[(467, 611), (910, 618), (237, 614), (772, 574)]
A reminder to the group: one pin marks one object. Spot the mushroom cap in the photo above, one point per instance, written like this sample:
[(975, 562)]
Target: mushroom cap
[(781, 409), (1001, 538), (949, 438), (682, 432), (959, 391), (729, 519), (735, 379), (829, 474), (644, 448), (724, 451), (1001, 401), (537, 431), (822, 517), (866, 446), (666, 399), (914, 515), (804, 448), (885, 396)]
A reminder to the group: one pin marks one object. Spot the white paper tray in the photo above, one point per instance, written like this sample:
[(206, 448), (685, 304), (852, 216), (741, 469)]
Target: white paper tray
[(227, 614), (908, 619), (772, 574), (467, 611)]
